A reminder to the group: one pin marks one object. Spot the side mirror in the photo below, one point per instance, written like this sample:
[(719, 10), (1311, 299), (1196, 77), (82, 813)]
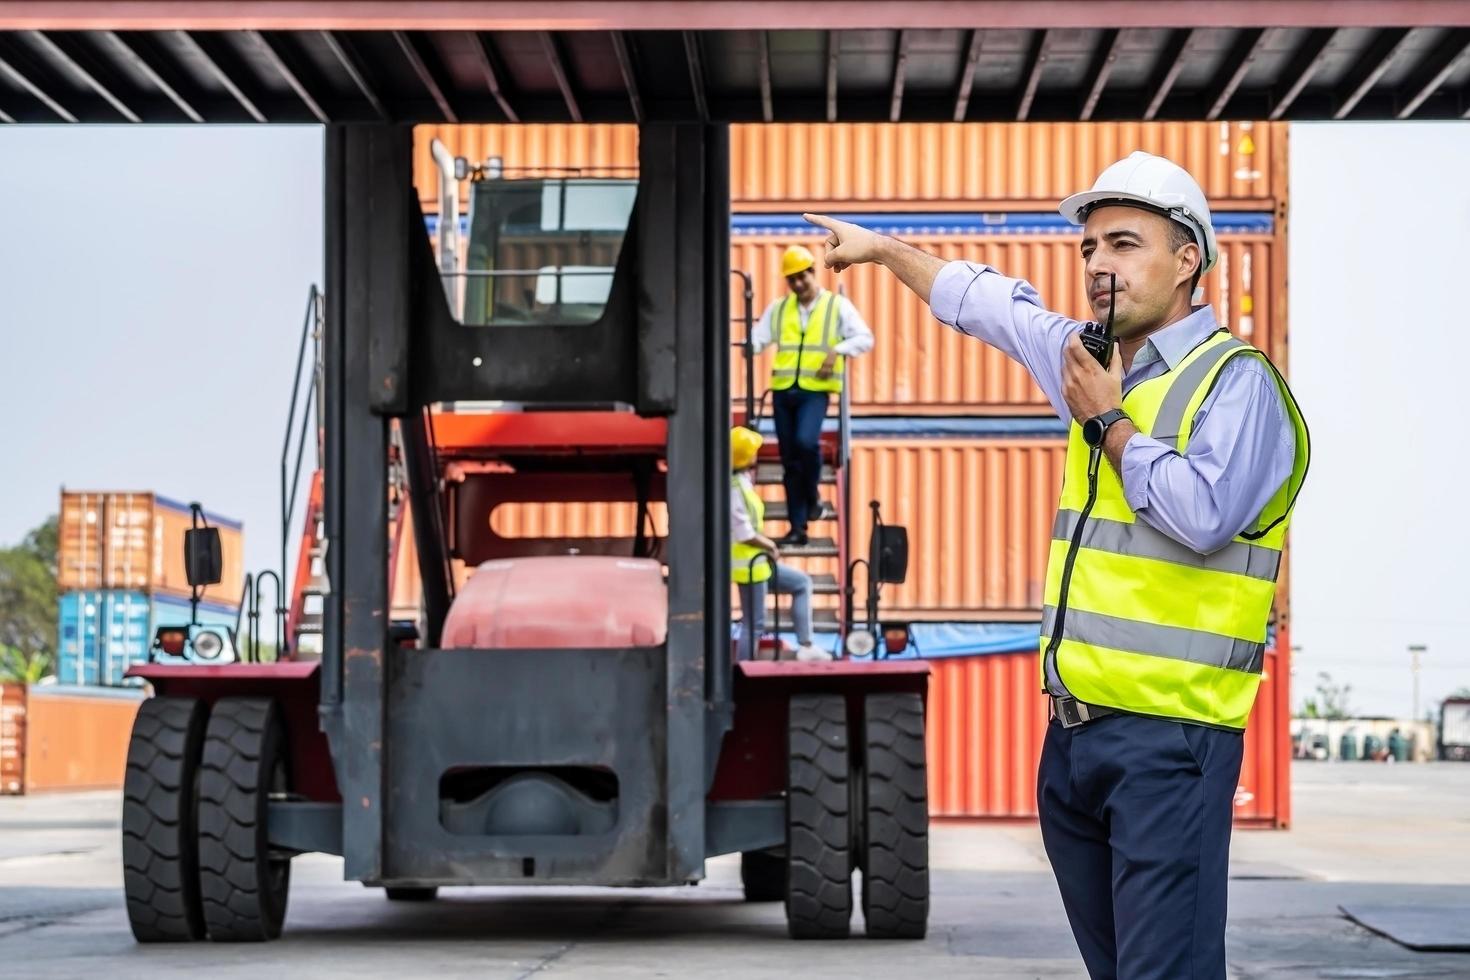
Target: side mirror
[(888, 553), (202, 562)]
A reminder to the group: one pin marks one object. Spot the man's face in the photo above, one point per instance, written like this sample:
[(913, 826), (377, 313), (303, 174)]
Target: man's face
[(1135, 246), (803, 284)]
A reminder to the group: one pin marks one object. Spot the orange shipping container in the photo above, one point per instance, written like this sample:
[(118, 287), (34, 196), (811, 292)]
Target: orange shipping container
[(77, 738), (919, 366), (987, 719), (135, 541), (879, 166), (12, 738)]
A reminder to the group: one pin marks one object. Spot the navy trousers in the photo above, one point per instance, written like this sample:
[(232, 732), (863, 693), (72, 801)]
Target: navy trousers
[(798, 415), (1135, 816)]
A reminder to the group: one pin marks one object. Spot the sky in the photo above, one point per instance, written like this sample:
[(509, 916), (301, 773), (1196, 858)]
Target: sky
[(1379, 264), (153, 282)]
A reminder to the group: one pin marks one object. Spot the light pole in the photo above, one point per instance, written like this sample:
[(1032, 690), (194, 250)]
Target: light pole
[(1415, 650)]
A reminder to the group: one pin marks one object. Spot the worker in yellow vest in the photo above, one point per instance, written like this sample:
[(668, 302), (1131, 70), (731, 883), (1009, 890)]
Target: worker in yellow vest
[(815, 332), (1186, 454), (755, 559)]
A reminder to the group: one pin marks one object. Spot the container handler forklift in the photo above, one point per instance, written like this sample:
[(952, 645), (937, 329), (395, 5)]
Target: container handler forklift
[(511, 735)]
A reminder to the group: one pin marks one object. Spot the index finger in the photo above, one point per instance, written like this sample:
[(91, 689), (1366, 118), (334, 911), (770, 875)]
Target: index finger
[(831, 224)]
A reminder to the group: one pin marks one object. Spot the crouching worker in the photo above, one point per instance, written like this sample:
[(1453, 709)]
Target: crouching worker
[(755, 560)]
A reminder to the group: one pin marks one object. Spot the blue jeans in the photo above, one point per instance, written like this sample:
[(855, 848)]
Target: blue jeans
[(1135, 816), (789, 581), (798, 416)]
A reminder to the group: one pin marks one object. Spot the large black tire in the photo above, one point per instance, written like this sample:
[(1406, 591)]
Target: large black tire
[(818, 828), (764, 876), (159, 849), (242, 882), (895, 835), (411, 894)]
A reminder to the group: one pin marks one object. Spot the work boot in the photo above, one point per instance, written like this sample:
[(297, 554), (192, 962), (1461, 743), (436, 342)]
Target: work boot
[(811, 653), (792, 538)]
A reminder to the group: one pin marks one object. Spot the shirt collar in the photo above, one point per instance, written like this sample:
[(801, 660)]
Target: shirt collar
[(1177, 339)]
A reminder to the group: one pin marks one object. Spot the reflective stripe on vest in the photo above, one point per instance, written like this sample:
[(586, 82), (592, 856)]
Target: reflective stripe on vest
[(800, 352), (1147, 624), (742, 571)]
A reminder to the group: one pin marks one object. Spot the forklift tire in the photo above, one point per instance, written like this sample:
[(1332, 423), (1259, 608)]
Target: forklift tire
[(411, 894), (895, 833), (764, 876), (243, 882), (818, 829), (159, 848)]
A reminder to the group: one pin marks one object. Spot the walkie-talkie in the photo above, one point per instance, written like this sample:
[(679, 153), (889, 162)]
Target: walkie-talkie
[(1098, 339)]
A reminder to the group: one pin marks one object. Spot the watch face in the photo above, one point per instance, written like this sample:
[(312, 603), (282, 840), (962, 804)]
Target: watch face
[(1092, 432)]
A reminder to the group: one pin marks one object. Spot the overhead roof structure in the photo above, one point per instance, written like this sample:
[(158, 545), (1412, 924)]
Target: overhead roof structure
[(279, 61)]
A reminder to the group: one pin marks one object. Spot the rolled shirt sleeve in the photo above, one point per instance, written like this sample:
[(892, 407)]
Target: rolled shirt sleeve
[(760, 334)]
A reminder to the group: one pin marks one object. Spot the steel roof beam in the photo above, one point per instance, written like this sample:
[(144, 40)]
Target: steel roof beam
[(280, 59), (900, 65), (490, 66), (140, 52), (1371, 67), (1304, 64), (214, 60), (967, 75), (1440, 65), (65, 49), (630, 77), (768, 108), (1102, 67), (696, 74), (1171, 63), (833, 47), (557, 64), (1237, 65), (11, 67), (349, 62), (419, 60), (1035, 65)]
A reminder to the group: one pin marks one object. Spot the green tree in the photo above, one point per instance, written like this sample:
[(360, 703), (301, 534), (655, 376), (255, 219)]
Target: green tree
[(28, 605)]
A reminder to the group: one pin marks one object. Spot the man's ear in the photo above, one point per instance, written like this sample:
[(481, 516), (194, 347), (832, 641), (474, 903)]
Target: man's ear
[(1189, 259)]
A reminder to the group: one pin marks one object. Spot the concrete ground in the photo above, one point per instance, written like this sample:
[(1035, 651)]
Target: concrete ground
[(1385, 834)]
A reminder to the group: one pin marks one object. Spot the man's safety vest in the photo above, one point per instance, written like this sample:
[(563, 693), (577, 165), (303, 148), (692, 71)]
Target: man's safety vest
[(1133, 619), (801, 353), (741, 570)]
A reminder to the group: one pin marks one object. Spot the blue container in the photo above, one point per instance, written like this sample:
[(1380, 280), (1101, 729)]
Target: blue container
[(104, 632)]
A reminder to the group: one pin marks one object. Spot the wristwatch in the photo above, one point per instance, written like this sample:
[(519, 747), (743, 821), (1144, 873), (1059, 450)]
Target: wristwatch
[(1096, 428)]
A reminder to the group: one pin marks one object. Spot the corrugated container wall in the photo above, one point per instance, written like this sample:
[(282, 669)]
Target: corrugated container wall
[(918, 366), (12, 738), (103, 632), (986, 720), (135, 541), (77, 738), (916, 166)]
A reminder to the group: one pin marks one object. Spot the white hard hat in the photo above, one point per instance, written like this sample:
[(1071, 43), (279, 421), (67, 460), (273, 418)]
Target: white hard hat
[(1154, 184)]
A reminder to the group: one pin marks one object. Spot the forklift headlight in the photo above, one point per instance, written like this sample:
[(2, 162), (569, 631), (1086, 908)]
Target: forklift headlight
[(208, 645), (860, 643)]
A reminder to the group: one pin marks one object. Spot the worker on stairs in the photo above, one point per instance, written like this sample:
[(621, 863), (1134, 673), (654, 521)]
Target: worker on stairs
[(815, 332), (755, 558)]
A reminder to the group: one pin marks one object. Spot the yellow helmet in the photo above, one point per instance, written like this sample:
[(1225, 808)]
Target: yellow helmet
[(744, 444), (796, 259)]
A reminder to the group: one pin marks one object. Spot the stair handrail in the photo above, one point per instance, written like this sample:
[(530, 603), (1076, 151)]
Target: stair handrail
[(311, 333)]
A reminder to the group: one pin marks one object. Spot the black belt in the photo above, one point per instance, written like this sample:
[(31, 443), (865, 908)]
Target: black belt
[(1071, 712)]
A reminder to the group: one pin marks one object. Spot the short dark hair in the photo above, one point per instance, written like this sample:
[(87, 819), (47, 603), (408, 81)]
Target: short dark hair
[(1181, 235)]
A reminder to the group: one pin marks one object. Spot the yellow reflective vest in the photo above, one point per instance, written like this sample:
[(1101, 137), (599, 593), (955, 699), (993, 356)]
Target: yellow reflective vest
[(741, 569), (1133, 619), (800, 353)]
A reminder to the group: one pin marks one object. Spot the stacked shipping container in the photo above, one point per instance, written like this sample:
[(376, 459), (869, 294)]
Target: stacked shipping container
[(120, 558), (954, 439)]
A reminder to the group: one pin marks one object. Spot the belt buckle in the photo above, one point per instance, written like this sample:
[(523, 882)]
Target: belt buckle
[(1070, 712)]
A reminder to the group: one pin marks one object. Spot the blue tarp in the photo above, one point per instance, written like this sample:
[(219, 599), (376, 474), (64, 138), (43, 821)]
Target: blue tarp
[(932, 641), (942, 223), (935, 427)]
